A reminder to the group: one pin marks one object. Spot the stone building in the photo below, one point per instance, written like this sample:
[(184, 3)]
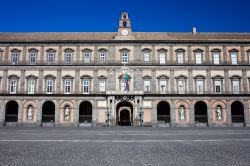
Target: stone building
[(125, 78)]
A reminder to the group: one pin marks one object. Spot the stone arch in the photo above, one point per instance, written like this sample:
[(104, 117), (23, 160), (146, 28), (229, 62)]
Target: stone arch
[(200, 112), (11, 111), (85, 112), (163, 112), (128, 106), (237, 112), (48, 112)]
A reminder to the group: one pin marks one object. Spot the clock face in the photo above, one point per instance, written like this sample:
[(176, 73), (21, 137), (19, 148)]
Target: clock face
[(124, 32)]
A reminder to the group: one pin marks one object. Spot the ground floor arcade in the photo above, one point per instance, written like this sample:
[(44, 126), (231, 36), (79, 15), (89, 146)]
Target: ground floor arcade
[(138, 111)]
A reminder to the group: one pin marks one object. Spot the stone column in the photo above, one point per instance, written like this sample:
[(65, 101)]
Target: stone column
[(76, 113), (39, 113), (153, 114), (189, 52), (246, 113), (229, 116), (111, 53), (172, 80), (96, 57), (60, 54), (190, 81), (22, 82), (57, 112), (111, 80), (153, 54), (208, 77), (209, 113), (153, 81), (244, 79), (191, 113), (225, 55), (42, 55), (94, 112), (172, 113), (113, 107), (226, 80), (20, 114), (77, 81), (6, 58), (58, 82), (4, 81), (2, 112), (40, 81), (137, 51)]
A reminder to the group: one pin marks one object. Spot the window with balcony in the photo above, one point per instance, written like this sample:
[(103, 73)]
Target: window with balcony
[(163, 86)]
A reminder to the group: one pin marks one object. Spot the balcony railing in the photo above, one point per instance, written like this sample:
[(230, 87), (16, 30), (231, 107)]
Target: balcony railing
[(118, 62)]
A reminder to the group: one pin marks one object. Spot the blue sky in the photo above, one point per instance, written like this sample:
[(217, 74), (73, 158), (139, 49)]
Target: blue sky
[(103, 15)]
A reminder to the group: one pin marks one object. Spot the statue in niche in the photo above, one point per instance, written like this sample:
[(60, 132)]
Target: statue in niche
[(30, 113), (66, 113), (182, 113), (218, 113)]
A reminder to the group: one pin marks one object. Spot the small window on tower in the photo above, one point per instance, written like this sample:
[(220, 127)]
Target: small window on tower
[(124, 24), (124, 16)]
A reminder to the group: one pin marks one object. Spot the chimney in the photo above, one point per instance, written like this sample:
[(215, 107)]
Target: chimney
[(194, 30)]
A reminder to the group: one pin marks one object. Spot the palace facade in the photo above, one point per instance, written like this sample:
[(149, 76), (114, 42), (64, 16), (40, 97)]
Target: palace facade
[(125, 78)]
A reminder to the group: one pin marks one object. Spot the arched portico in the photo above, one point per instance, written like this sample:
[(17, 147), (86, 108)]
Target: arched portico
[(124, 112), (11, 112)]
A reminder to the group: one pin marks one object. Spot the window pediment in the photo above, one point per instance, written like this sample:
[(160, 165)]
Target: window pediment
[(216, 50), (199, 77), (123, 76), (33, 50), (198, 50), (87, 50), (68, 50), (86, 77), (162, 50), (67, 77), (233, 50), (180, 50), (248, 50), (50, 50), (13, 77), (217, 77), (235, 77), (124, 50), (1, 50), (146, 50), (102, 50), (31, 77), (181, 77), (102, 77), (146, 77), (49, 76), (162, 77), (15, 50)]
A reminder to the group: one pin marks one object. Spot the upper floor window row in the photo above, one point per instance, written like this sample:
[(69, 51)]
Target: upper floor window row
[(217, 56)]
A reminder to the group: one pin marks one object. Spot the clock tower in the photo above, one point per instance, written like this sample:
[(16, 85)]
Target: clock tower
[(124, 28)]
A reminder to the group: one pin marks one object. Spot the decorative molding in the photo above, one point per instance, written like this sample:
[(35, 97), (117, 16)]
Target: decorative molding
[(86, 77), (67, 77), (198, 50), (50, 50), (235, 77), (162, 50), (49, 76), (199, 77), (180, 50), (13, 77), (181, 77), (217, 77), (216, 50), (233, 50), (15, 50), (146, 77), (124, 50), (33, 50), (87, 50), (102, 77), (31, 77), (68, 50), (163, 77)]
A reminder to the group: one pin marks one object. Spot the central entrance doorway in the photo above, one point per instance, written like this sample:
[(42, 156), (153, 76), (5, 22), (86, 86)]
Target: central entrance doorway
[(124, 112)]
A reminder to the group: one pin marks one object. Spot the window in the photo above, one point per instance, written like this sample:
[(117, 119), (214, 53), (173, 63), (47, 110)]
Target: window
[(13, 86), (49, 86), (181, 86), (32, 57), (217, 84), (162, 58), (180, 57), (198, 59), (31, 86), (67, 86), (248, 56), (15, 56), (199, 86), (124, 57), (236, 86), (102, 56), (146, 85), (86, 57), (234, 58), (146, 57), (68, 57), (102, 86), (85, 86), (163, 86), (50, 57), (216, 57)]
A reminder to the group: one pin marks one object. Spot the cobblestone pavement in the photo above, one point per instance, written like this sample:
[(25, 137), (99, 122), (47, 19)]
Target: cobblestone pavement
[(125, 146)]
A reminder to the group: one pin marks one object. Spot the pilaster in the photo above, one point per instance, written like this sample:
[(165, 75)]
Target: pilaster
[(39, 113), (22, 82), (225, 55), (7, 52), (154, 113), (24, 52), (111, 80), (111, 53), (77, 84), (244, 79), (172, 113), (229, 116), (172, 80), (76, 113), (78, 54), (2, 112), (208, 78), (246, 113), (189, 61), (40, 81), (209, 113), (171, 53), (242, 54), (153, 81), (137, 50), (190, 81), (191, 113), (226, 80), (96, 58), (95, 81), (42, 54), (58, 81), (153, 53), (94, 113), (57, 112), (60, 54), (20, 114), (4, 81), (207, 59)]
